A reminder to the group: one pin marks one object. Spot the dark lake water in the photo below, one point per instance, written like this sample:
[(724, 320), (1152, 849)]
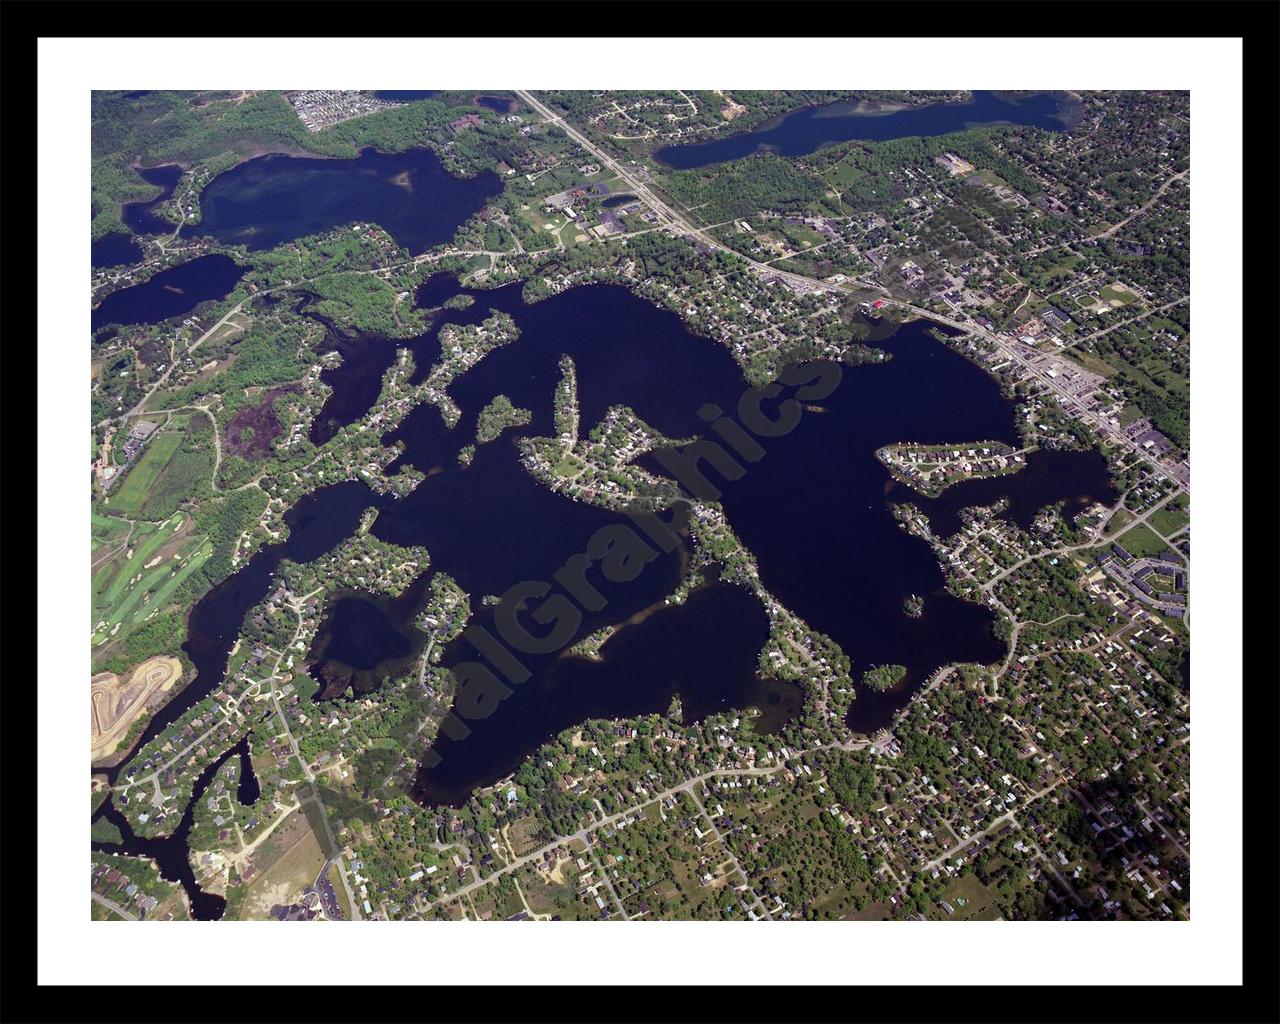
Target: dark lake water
[(491, 525), (498, 104), (1077, 479), (405, 95), (141, 218), (811, 128), (629, 351), (171, 852), (317, 524), (273, 199), (247, 789), (439, 288), (365, 639), (704, 650), (814, 510), (114, 250), (357, 380), (171, 292)]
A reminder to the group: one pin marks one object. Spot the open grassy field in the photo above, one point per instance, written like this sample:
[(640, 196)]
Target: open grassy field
[(1129, 414), (801, 236), (970, 899), (1141, 540), (174, 466), (107, 528), (1119, 521), (538, 225), (524, 835), (1170, 519), (1117, 295), (1093, 364), (106, 533), (132, 493), (556, 896), (871, 911)]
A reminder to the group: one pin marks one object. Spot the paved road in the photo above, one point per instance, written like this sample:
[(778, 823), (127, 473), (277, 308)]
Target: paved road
[(664, 212), (687, 784), (306, 768), (733, 857), (1095, 538), (165, 376), (1124, 323), (583, 833), (112, 905), (1155, 198), (1034, 364), (1007, 345), (1009, 817), (1160, 825)]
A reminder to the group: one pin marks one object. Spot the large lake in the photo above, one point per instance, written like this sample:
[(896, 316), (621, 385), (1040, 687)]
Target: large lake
[(815, 511), (811, 128), (273, 199)]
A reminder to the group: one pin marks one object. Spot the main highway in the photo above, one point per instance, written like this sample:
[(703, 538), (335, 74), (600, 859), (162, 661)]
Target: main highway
[(664, 212), (1008, 346)]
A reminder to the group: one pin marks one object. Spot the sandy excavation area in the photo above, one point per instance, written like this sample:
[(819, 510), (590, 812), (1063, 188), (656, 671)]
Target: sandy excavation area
[(116, 704)]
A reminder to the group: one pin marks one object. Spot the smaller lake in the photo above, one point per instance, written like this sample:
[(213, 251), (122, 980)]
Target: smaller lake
[(171, 292), (357, 380), (498, 104), (365, 639), (405, 95), (439, 287), (247, 790), (141, 218), (273, 199), (115, 250), (811, 128)]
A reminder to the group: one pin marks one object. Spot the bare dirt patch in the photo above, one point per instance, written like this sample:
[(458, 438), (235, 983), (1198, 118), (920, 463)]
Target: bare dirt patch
[(116, 705), (557, 873), (296, 868)]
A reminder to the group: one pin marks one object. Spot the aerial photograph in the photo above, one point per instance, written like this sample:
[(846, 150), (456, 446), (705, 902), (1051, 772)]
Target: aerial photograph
[(638, 505)]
